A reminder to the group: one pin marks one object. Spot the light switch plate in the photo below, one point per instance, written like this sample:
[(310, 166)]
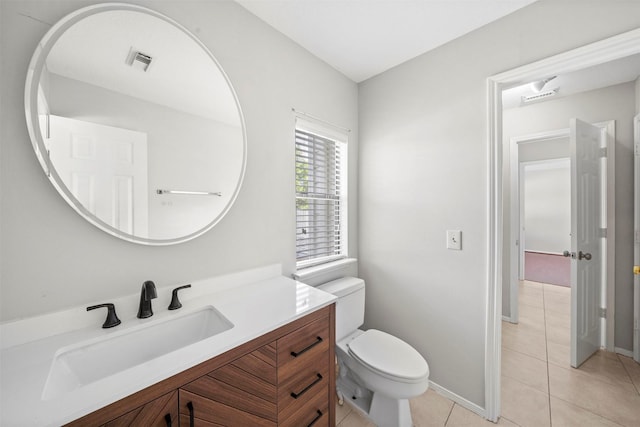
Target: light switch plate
[(454, 239)]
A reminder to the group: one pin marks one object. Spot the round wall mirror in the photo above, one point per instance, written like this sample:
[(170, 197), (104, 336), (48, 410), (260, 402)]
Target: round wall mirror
[(135, 123)]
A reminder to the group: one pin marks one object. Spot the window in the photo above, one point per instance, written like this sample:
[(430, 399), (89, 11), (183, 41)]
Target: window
[(320, 195)]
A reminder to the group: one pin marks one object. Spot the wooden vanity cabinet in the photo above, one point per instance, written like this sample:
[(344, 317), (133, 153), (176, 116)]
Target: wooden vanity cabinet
[(283, 378), (160, 412)]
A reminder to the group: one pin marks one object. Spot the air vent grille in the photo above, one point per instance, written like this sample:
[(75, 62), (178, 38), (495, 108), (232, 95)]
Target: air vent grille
[(139, 60), (539, 96)]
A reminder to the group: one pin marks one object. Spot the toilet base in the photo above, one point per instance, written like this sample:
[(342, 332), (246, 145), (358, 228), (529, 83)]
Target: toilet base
[(388, 412), (382, 410)]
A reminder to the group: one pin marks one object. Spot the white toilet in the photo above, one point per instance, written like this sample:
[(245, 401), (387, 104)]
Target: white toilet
[(378, 371)]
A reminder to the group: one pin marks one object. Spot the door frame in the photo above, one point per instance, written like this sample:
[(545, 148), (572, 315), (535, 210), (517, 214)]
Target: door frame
[(608, 129), (636, 255), (606, 50)]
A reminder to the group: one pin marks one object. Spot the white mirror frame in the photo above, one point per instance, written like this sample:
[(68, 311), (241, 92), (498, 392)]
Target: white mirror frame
[(31, 112)]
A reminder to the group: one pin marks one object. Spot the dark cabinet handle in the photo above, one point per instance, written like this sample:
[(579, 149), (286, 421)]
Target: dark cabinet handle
[(315, 343), (306, 389), (315, 420), (192, 421), (167, 419)]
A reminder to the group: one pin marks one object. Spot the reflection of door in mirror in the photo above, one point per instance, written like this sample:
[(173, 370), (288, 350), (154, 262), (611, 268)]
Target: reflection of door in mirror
[(105, 168)]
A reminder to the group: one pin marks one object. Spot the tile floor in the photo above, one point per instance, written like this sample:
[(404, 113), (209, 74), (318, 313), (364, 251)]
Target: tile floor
[(539, 388)]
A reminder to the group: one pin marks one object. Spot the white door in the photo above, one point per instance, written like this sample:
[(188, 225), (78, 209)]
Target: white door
[(636, 252), (105, 168), (585, 240)]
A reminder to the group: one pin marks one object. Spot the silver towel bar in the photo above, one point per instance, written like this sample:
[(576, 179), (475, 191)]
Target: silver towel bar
[(191, 193)]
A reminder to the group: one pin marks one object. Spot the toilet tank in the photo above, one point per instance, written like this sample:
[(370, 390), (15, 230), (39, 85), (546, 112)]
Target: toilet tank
[(350, 304)]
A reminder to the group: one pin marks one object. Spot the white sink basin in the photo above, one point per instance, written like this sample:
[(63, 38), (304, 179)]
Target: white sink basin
[(84, 363)]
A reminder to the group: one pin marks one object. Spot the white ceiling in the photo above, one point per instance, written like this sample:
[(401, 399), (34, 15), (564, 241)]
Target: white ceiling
[(182, 75), (363, 38)]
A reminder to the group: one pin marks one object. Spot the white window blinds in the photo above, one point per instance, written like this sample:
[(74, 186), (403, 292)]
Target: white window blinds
[(319, 204)]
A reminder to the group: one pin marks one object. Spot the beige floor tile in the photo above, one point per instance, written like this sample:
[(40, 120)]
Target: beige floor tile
[(526, 288), (557, 307), (558, 334), (530, 284), (565, 414), (633, 370), (601, 398), (524, 405), (532, 344), (526, 369), (430, 410), (608, 369), (462, 417), (356, 419), (534, 314), (342, 411), (558, 319), (556, 288), (559, 354), (555, 296), (530, 300)]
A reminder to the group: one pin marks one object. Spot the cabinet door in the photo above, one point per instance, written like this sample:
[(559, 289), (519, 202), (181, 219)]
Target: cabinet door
[(242, 393), (160, 412)]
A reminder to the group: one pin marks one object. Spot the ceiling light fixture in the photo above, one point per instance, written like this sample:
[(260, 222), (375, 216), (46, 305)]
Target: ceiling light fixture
[(539, 85)]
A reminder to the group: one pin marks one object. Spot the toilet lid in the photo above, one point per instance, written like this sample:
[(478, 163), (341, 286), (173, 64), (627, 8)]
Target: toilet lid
[(389, 355)]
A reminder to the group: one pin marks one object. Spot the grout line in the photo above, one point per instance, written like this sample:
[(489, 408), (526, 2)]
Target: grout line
[(546, 350), (449, 414), (628, 373), (588, 410)]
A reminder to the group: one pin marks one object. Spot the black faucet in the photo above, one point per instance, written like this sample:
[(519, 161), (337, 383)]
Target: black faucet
[(147, 293)]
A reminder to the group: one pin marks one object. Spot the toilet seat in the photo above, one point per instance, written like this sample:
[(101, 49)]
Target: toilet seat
[(389, 356)]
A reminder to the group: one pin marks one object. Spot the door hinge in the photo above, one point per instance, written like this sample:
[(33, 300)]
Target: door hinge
[(637, 236), (517, 242), (603, 151), (602, 232), (602, 312)]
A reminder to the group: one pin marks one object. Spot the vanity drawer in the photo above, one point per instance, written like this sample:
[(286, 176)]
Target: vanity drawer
[(208, 412), (305, 342), (315, 412), (303, 384)]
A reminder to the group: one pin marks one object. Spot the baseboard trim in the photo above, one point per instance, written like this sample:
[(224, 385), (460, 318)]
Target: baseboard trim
[(459, 399), (624, 352)]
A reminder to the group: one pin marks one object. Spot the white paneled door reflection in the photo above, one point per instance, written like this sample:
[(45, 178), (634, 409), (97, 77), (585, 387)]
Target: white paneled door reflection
[(105, 168)]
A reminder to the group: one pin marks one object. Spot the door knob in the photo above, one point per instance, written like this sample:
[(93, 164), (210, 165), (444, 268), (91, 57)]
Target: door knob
[(585, 255), (566, 254)]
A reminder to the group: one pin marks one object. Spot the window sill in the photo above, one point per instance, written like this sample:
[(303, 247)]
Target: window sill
[(317, 270)]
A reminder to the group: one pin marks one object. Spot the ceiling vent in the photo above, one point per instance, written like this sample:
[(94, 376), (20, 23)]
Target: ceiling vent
[(539, 96), (139, 60)]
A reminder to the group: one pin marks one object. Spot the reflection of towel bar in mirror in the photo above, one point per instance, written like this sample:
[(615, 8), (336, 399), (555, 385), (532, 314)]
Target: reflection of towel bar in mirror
[(193, 193)]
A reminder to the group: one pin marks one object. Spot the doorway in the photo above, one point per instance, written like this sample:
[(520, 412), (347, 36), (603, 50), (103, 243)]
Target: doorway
[(607, 50)]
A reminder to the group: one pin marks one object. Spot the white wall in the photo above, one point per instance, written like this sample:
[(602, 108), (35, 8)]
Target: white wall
[(547, 206), (423, 170), (612, 103), (53, 259)]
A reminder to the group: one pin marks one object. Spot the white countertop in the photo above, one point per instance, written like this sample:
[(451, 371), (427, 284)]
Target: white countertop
[(254, 309)]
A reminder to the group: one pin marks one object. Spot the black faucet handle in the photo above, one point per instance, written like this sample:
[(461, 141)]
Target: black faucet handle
[(112, 318), (175, 302)]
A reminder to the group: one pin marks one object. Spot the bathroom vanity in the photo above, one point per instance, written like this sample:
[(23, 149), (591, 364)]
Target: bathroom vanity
[(272, 367)]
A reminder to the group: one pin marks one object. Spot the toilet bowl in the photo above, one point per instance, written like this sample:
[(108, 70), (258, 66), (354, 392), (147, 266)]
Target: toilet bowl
[(378, 371)]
